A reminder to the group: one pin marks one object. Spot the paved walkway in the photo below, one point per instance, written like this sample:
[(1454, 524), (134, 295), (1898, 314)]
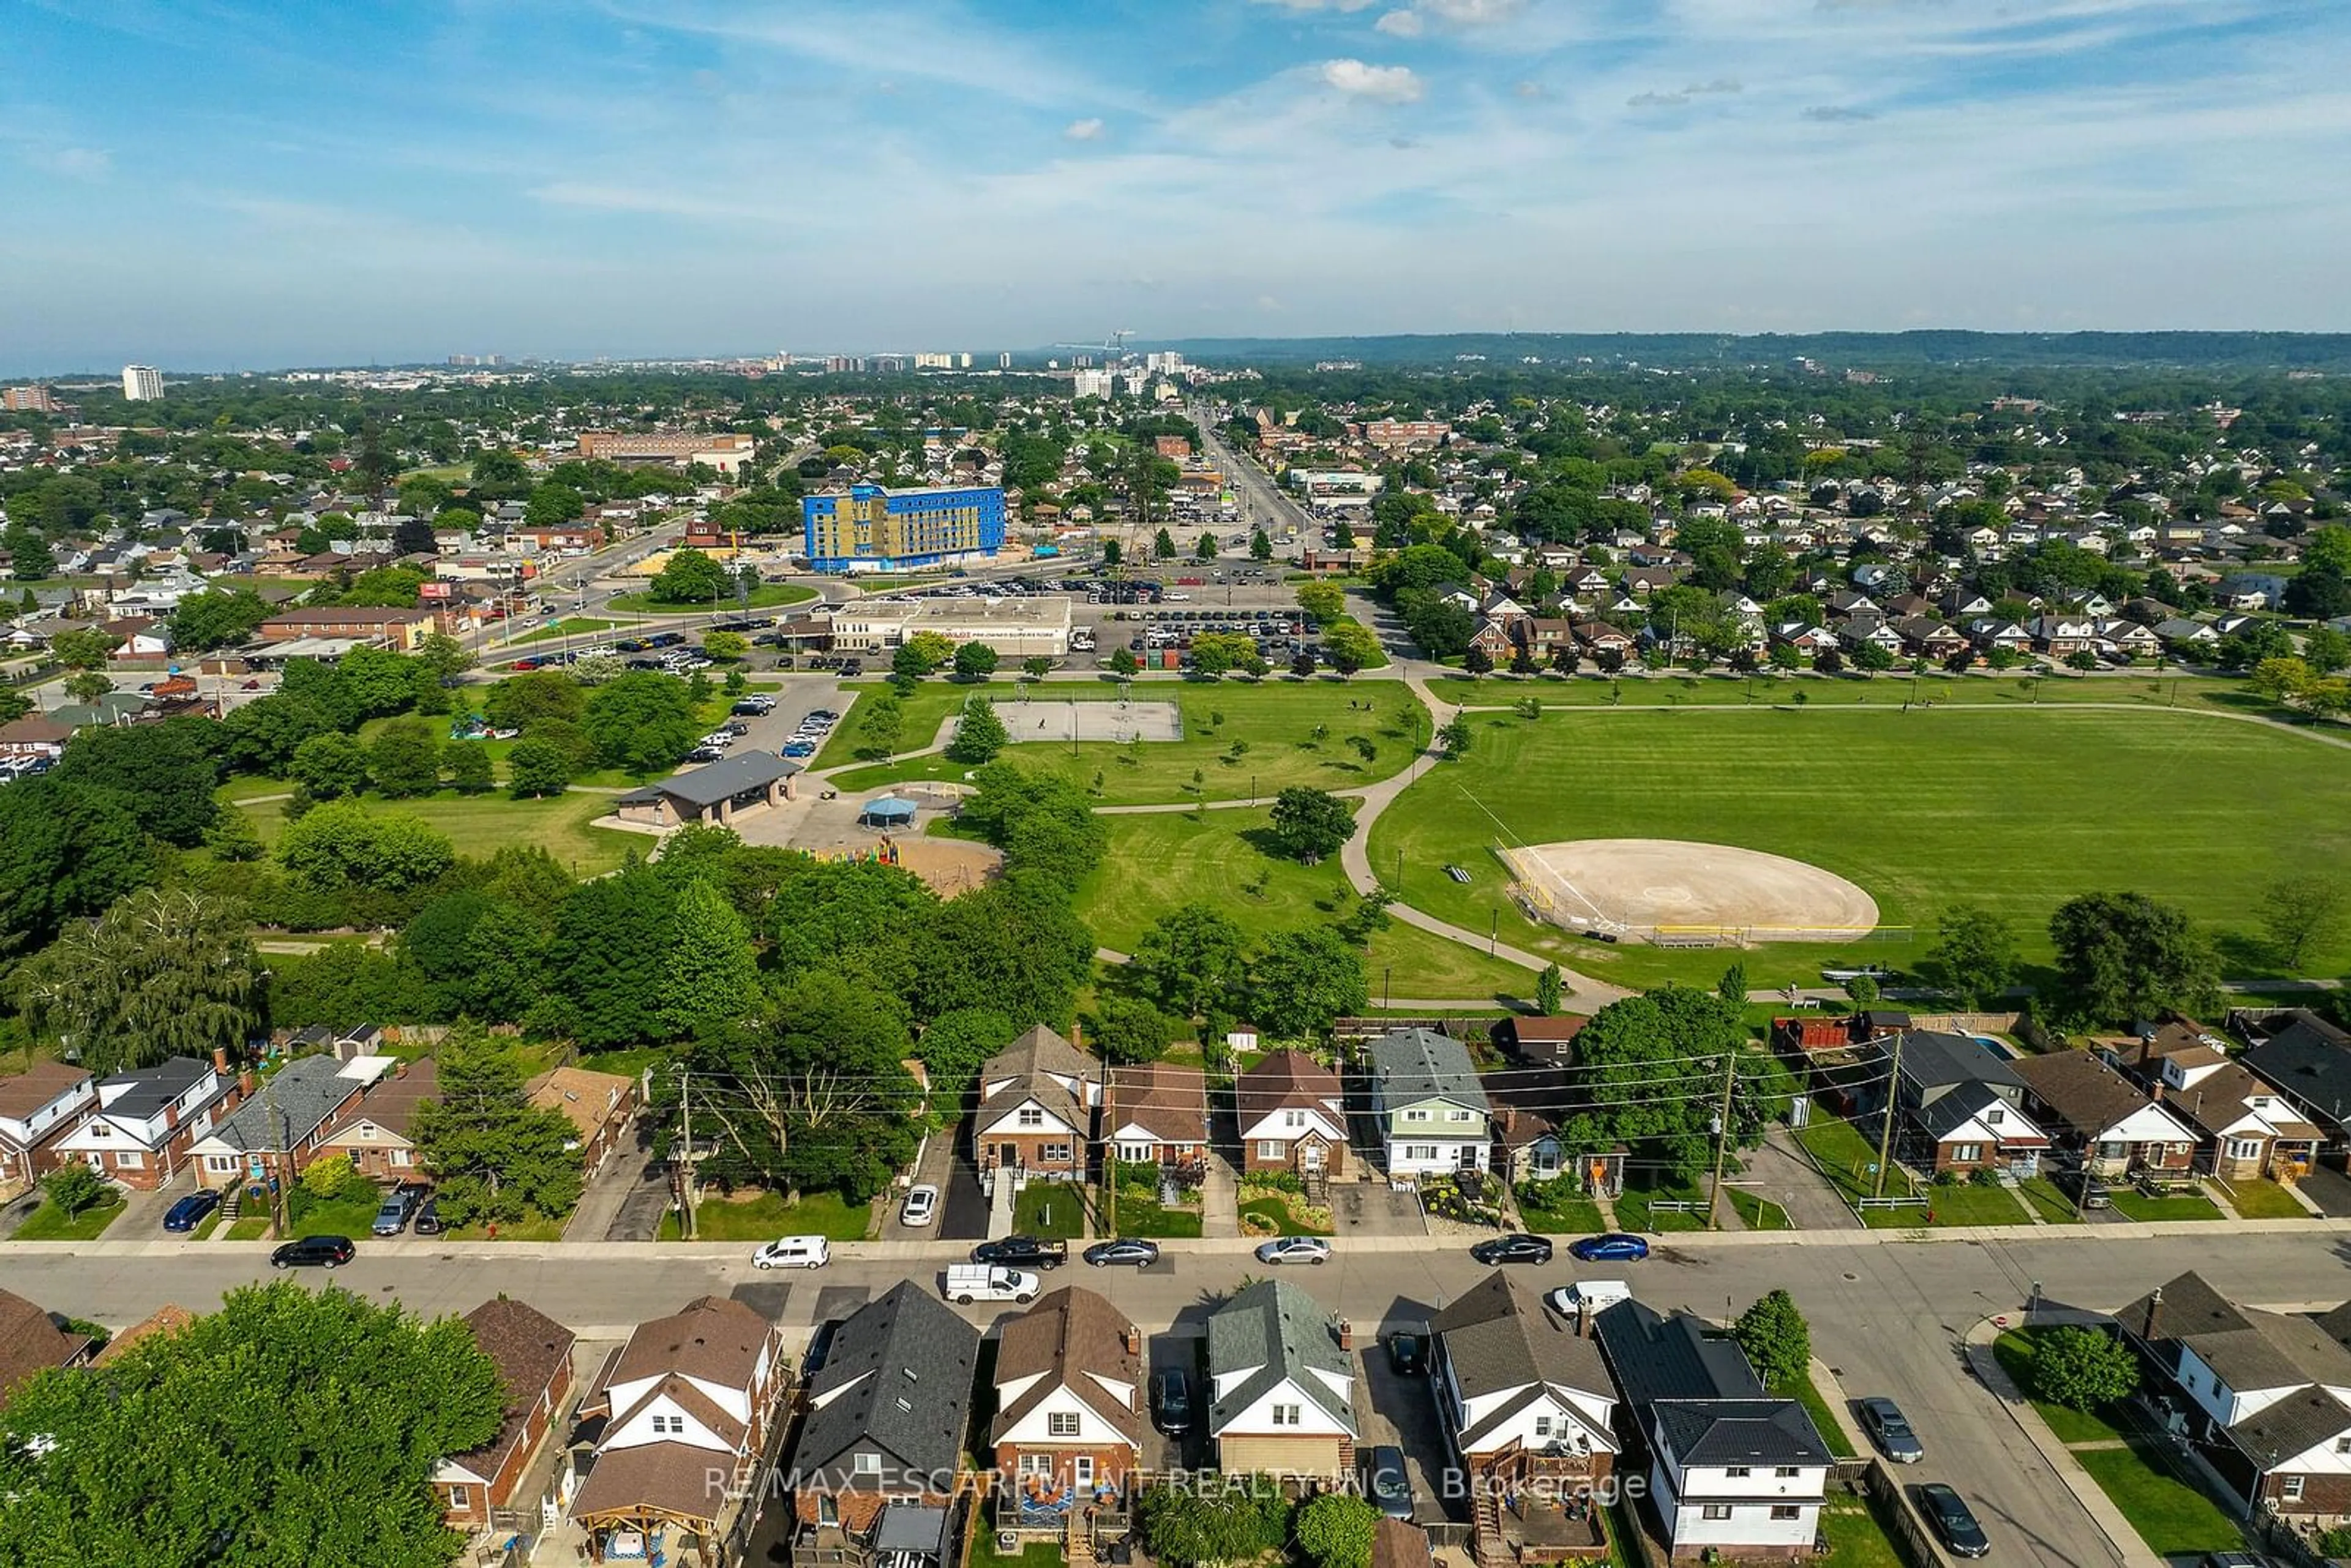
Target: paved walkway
[(1220, 1199)]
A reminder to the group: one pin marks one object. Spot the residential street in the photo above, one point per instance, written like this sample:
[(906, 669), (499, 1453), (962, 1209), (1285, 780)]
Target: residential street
[(1889, 1315)]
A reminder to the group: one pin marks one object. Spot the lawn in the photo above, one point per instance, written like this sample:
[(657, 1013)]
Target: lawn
[(538, 1227), (1759, 1213), (1157, 863), (1050, 1209), (1849, 1158), (1274, 721), (1036, 1554), (2133, 1204), (1590, 689), (767, 1216), (1139, 1214), (1817, 1406), (1960, 1204), (2015, 1352), (2260, 1199), (1855, 1538), (481, 825), (766, 596), (630, 1063), (1634, 1211), (353, 1217), (2043, 1196), (1276, 1209), (2174, 1519), (2013, 807), (1570, 1216), (49, 1223)]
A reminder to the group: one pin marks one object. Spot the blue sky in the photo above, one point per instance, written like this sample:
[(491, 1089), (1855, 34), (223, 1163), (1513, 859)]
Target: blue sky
[(203, 183)]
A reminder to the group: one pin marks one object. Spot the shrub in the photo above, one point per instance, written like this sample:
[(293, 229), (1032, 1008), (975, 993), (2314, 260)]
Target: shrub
[(2081, 1368), (73, 1188)]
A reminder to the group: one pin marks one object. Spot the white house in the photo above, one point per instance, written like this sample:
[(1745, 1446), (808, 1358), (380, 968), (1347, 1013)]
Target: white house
[(1282, 1385), (1519, 1387), (1433, 1112), (37, 1107), (149, 1118)]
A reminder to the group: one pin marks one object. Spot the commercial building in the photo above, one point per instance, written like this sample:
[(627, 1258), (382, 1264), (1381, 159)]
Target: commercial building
[(1092, 384), (1015, 628), (141, 384), (401, 628), (29, 400), (727, 453), (868, 528), (715, 794)]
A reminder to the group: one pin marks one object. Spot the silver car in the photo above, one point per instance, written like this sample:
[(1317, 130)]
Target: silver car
[(1295, 1250)]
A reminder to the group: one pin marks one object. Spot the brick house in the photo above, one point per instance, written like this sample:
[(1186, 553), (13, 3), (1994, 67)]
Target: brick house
[(1069, 1401), (2258, 1393), (31, 1342), (149, 1118), (38, 1106), (1036, 1113), (598, 1104), (2245, 1128), (400, 629), (1155, 1114), (2100, 1120), (533, 1354), (376, 1133), (280, 1128), (885, 1424), (1291, 1113)]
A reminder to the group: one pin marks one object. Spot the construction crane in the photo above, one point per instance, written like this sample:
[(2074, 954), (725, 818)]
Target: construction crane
[(1112, 348)]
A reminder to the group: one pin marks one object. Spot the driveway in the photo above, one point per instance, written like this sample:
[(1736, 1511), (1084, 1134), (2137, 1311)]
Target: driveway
[(1402, 1411), (637, 1215), (940, 1167), (1778, 1171), (1375, 1209), (2330, 1189)]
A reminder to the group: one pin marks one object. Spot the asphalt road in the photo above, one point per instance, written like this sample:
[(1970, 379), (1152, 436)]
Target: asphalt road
[(1262, 503), (1889, 1317)]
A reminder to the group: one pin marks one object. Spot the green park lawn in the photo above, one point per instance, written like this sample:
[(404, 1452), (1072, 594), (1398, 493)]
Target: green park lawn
[(2013, 807), (1157, 863), (49, 1223), (766, 596), (766, 1216), (480, 825), (1274, 721), (1765, 689)]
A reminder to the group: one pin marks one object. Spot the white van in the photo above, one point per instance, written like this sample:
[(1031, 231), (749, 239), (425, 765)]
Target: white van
[(794, 1252), (968, 1282)]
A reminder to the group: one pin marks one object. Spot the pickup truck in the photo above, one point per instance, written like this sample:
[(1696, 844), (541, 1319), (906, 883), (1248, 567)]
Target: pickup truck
[(1022, 1252), (968, 1282)]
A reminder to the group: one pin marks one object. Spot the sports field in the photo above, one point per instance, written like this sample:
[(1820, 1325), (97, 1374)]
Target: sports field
[(2015, 808), (481, 825), (1238, 736), (1157, 863)]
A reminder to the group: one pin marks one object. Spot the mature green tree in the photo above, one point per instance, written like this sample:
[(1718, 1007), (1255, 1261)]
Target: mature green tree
[(1777, 1341), (165, 772), (384, 587), (505, 961), (692, 577), (405, 760), (845, 916), (553, 505), (1163, 545), (1130, 1030), (84, 648), (2125, 956), (1974, 953), (1335, 1530), (1648, 1052), (89, 686), (1453, 739), (521, 702), (1194, 1528), (343, 844), (1300, 980), (75, 1188), (377, 681), (1191, 958), (162, 972), (217, 619), (2302, 914), (973, 660), (1310, 825), (261, 737), (980, 734), (1261, 546), (438, 936), (495, 1158), (1219, 652), (1013, 946), (329, 766), (30, 559), (644, 722), (1350, 646), (712, 977), (1124, 663), (442, 656), (468, 762), (344, 1408), (957, 1044), (2084, 1369), (1324, 602), (1551, 990), (66, 850), (536, 769), (609, 957)]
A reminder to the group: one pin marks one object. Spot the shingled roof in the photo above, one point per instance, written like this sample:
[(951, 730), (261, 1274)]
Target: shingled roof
[(1276, 1333), (1071, 1339), (896, 1382)]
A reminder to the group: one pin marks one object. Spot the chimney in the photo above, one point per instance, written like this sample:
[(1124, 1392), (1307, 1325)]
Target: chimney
[(1134, 1340), (2154, 1315), (244, 1084), (1078, 1033), (2156, 1090), (220, 1058), (1346, 1333)]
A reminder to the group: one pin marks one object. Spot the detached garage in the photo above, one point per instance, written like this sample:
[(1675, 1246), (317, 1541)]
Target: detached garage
[(749, 781)]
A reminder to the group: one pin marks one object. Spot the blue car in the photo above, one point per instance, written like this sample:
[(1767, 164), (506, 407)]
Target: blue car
[(1612, 1248), (190, 1211), (799, 749)]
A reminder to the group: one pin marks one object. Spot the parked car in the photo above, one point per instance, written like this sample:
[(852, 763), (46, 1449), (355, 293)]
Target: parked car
[(1519, 1248), (1171, 1400), (718, 738), (793, 1252), (314, 1251), (1295, 1250), (1613, 1248), (1022, 1252), (1132, 1251), (922, 1205), (1386, 1482), (2086, 1190), (428, 1217), (1953, 1521), (1407, 1353), (797, 749), (190, 1211), (1890, 1431), (392, 1217), (704, 754), (969, 1282)]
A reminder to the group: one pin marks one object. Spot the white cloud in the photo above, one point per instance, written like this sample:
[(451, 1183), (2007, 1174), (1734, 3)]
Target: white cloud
[(1399, 25), (1084, 130), (1384, 84), (1472, 13)]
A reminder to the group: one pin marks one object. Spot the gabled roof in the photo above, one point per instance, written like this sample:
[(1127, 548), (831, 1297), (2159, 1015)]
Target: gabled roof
[(1655, 1356), (1029, 1068), (897, 1378), (2249, 1348), (1286, 1335), (2089, 1095), (1971, 1102), (1414, 1064), (1284, 1080), (140, 1092), (22, 1094), (1497, 1338), (715, 1339), (1741, 1432), (390, 1105), (737, 774), (292, 1105), (31, 1342), (2310, 1065), (581, 1095), (1934, 1059), (528, 1348), (1169, 1103), (1065, 1341), (164, 1320)]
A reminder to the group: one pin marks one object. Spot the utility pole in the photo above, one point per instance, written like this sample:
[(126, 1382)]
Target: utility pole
[(1885, 1132), (1721, 1139), (686, 1166)]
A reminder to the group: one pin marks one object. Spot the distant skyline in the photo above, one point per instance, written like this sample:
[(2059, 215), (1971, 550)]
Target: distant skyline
[(208, 184)]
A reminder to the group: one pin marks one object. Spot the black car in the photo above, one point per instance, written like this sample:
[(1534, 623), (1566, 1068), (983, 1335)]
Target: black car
[(1022, 1252), (1891, 1430), (1132, 1251), (1520, 1249), (1171, 1399), (704, 754), (428, 1217), (1386, 1482), (1407, 1353), (314, 1251), (1953, 1520)]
